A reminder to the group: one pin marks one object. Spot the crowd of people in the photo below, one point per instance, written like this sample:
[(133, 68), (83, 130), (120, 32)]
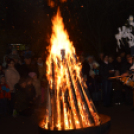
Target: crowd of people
[(22, 80), (106, 78)]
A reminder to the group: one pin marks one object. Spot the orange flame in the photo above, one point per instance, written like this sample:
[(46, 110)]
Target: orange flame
[(70, 105), (60, 39)]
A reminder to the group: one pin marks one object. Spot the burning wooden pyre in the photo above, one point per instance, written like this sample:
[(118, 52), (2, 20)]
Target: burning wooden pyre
[(69, 107)]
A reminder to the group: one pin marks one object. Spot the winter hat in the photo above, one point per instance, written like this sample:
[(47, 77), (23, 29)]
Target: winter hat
[(32, 74)]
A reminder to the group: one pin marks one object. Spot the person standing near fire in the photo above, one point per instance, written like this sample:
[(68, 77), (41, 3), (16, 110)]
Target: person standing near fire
[(85, 71), (106, 70), (37, 86), (129, 72), (12, 77)]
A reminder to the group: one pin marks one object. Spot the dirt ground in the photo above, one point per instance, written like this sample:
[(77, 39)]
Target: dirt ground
[(122, 121)]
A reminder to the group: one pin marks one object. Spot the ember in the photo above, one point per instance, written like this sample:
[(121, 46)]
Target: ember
[(69, 106)]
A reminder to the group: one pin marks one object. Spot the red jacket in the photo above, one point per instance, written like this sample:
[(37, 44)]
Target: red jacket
[(3, 93)]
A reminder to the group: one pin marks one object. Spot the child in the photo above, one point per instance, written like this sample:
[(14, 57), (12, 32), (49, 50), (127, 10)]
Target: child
[(4, 95), (31, 93), (23, 97), (37, 86)]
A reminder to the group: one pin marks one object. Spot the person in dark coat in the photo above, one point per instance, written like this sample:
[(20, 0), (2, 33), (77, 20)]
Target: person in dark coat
[(117, 85), (127, 91), (123, 56), (126, 65), (28, 67), (24, 97), (106, 70), (95, 88), (21, 98), (118, 64), (100, 61), (85, 72)]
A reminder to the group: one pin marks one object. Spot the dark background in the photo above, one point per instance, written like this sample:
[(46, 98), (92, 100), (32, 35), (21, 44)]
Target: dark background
[(91, 24)]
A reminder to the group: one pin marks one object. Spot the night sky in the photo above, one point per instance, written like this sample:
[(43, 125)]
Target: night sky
[(91, 24)]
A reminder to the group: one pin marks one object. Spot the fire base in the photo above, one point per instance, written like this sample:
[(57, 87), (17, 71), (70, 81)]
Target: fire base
[(101, 129)]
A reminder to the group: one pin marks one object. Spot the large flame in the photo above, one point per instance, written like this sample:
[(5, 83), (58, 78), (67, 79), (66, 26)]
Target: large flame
[(60, 39), (68, 107)]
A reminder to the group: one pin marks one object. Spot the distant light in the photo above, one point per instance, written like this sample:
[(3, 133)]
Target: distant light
[(113, 89), (82, 6)]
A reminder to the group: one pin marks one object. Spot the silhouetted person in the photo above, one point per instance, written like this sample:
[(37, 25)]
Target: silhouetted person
[(106, 71)]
